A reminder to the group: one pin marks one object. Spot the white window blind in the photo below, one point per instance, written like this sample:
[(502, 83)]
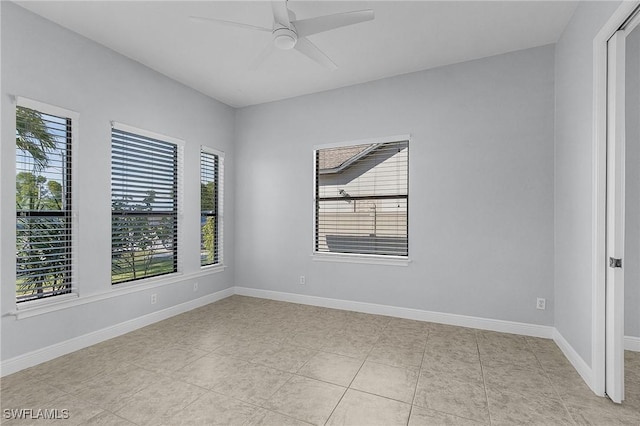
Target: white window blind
[(361, 199), (43, 205), (211, 186), (144, 206)]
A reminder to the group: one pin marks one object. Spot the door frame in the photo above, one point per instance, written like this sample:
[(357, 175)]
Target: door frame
[(614, 311), (599, 194)]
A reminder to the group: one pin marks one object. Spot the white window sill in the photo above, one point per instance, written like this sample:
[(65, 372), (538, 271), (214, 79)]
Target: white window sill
[(56, 303), (361, 258), (211, 269)]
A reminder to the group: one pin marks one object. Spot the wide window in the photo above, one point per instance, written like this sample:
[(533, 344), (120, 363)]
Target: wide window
[(144, 206), (361, 199), (210, 207), (43, 204)]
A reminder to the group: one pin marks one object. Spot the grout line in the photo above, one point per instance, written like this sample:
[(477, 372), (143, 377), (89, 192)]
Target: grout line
[(355, 375), (553, 386), (484, 382), (415, 389)]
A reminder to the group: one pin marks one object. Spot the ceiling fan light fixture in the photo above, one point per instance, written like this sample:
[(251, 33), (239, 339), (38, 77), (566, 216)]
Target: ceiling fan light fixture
[(285, 38)]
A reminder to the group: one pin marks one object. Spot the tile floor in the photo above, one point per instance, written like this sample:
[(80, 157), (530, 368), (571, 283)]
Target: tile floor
[(247, 361)]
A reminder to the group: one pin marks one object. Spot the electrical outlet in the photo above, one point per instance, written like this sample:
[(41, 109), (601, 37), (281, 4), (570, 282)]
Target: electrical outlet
[(154, 298), (541, 304), (302, 280), (195, 286)]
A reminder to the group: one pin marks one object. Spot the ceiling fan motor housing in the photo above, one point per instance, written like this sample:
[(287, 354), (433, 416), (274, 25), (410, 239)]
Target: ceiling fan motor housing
[(284, 38)]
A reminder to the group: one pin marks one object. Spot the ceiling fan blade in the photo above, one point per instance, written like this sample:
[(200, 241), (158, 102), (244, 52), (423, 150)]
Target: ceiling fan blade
[(266, 52), (310, 50), (280, 12), (305, 27), (228, 23)]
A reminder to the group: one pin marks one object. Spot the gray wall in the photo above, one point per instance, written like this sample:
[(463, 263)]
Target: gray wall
[(480, 198), (45, 62), (573, 174), (632, 190)]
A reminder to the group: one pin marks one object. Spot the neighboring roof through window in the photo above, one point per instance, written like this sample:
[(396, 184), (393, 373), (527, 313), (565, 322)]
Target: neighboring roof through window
[(335, 160)]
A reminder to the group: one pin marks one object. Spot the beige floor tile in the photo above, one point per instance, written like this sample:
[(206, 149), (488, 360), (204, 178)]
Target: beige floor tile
[(106, 418), (363, 409), (169, 359), (122, 349), (285, 357), (349, 345), (496, 356), (632, 394), (206, 340), (462, 346), (312, 339), (497, 349), (245, 348), (111, 390), (573, 390), (556, 362), (424, 417), (69, 372), (403, 339), (443, 364), (306, 399), (402, 324), (209, 370), (531, 381), (384, 380), (398, 356), (332, 368), (262, 417), (606, 413), (515, 409), (212, 409), (537, 345), (253, 383), (18, 391), (240, 347), (63, 409), (463, 399), (159, 400), (445, 330), (79, 411)]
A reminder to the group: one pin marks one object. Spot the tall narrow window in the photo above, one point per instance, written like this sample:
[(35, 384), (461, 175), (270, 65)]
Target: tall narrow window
[(210, 207), (43, 204), (144, 206), (361, 199)]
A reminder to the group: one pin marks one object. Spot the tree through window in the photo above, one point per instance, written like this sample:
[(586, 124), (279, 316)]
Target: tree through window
[(43, 205), (144, 206)]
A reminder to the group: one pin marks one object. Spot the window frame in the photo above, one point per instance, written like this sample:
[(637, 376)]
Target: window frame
[(71, 194), (179, 239), (376, 259), (219, 202)]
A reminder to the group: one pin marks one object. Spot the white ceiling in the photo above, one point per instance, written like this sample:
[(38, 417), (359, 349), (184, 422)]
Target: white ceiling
[(405, 36)]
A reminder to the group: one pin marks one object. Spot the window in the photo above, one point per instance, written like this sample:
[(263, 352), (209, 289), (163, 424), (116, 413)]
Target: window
[(210, 207), (144, 206), (361, 199), (43, 203)]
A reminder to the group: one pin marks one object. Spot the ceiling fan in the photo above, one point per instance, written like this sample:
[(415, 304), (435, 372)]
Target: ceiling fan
[(289, 33)]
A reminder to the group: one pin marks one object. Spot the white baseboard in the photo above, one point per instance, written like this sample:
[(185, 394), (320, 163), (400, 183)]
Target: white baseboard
[(575, 359), (30, 359), (408, 313), (632, 343)]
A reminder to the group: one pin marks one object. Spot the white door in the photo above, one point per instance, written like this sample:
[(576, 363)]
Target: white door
[(614, 370)]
